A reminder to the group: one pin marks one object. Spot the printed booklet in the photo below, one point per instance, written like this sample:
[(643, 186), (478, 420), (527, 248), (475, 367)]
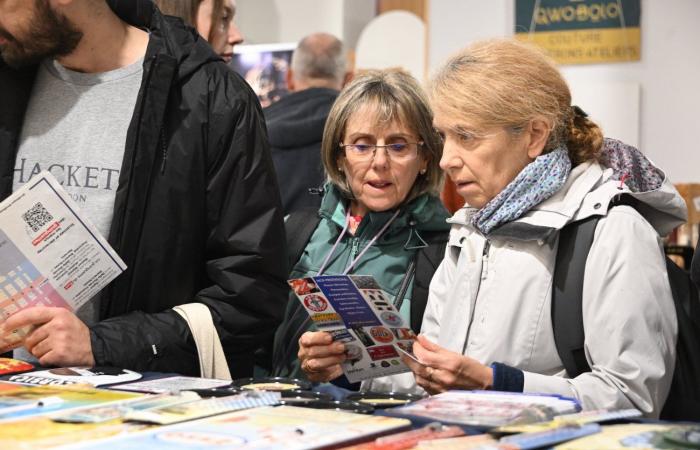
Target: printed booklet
[(49, 254), (358, 313)]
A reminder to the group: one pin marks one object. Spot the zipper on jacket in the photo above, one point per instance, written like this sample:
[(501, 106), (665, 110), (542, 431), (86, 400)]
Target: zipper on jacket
[(485, 260), (484, 273), (163, 149), (354, 248)]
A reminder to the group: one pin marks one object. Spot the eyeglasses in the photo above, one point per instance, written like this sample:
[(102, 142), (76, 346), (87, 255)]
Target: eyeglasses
[(399, 152)]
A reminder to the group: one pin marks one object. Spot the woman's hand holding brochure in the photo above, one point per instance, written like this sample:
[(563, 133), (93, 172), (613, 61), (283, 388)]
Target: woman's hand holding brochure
[(439, 370), (320, 357)]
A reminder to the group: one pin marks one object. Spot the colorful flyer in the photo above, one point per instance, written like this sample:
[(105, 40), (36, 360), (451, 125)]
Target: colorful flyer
[(95, 376), (49, 254), (264, 428), (358, 313), (19, 401), (172, 384)]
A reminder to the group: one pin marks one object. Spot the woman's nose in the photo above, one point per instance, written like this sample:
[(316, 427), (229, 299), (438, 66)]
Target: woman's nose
[(381, 157), (234, 34), (450, 156)]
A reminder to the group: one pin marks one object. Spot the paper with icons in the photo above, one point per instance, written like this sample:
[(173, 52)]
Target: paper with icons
[(358, 313)]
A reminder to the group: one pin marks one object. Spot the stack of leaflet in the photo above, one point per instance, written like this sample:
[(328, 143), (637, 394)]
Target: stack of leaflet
[(566, 430), (51, 416), (17, 401), (486, 409), (639, 436), (282, 427), (95, 376)]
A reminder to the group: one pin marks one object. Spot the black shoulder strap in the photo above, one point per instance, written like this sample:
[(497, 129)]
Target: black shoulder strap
[(299, 227), (575, 242), (427, 261)]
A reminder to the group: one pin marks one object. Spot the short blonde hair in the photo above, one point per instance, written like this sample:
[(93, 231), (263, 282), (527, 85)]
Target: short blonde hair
[(507, 83), (397, 96)]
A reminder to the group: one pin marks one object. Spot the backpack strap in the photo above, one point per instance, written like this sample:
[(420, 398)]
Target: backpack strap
[(299, 227), (575, 242), (427, 261)]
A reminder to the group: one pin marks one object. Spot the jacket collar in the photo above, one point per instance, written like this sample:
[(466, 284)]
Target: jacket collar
[(424, 213), (588, 191)]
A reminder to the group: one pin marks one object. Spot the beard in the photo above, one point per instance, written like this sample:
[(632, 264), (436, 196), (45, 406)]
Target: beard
[(50, 35)]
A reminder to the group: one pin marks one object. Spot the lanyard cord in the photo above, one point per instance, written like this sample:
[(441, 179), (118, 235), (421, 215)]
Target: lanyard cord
[(337, 241), (374, 239), (342, 233)]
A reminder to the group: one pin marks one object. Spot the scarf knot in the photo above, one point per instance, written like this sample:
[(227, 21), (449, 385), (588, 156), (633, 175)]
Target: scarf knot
[(538, 181)]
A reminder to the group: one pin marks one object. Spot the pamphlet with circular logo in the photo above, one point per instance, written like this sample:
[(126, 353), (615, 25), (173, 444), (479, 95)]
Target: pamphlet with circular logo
[(95, 376), (358, 313)]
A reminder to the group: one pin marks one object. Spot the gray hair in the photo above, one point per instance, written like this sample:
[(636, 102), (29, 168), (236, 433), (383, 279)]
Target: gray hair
[(319, 56), (397, 96)]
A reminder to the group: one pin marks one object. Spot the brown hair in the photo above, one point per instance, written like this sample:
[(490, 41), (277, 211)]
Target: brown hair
[(507, 83), (187, 11), (397, 96)]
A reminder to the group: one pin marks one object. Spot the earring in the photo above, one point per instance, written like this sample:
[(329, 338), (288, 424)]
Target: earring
[(422, 172), (340, 169)]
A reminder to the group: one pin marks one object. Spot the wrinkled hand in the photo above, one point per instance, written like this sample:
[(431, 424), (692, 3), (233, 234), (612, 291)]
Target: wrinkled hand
[(440, 370), (320, 357), (58, 339)]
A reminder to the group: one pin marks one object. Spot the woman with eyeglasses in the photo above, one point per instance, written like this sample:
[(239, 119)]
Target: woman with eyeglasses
[(380, 214), (213, 19)]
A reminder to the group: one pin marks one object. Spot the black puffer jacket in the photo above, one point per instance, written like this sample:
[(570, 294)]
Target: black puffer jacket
[(197, 213), (295, 124)]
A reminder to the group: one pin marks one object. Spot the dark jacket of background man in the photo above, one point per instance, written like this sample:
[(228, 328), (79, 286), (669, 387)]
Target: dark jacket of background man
[(295, 125), (196, 215), (295, 122)]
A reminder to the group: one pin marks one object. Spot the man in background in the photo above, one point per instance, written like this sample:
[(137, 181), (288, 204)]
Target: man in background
[(295, 122), (164, 148)]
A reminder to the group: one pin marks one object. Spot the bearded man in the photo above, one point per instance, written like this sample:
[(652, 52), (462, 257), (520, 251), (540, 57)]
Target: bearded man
[(164, 148)]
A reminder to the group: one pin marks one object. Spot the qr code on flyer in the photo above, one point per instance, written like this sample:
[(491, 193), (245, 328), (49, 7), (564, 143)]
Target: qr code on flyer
[(37, 217)]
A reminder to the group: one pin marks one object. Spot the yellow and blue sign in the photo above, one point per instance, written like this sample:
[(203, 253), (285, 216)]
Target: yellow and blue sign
[(581, 31)]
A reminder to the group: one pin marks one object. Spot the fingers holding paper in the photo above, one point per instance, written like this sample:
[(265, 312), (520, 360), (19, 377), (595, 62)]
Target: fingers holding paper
[(320, 357), (58, 336), (438, 370)]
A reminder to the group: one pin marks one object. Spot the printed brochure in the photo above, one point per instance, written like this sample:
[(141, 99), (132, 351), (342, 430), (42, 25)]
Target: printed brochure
[(486, 409), (358, 313), (18, 401), (264, 428), (49, 254)]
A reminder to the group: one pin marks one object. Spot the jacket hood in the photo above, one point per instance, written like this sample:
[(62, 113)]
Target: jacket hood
[(592, 188), (298, 119), (168, 35), (424, 213)]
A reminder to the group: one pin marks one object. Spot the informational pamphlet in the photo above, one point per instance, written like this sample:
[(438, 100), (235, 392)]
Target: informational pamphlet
[(95, 376), (183, 412), (486, 409), (264, 428), (49, 254), (19, 401), (358, 313), (172, 384)]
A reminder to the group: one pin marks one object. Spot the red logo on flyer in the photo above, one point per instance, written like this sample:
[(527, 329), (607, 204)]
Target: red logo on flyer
[(382, 352), (316, 303), (381, 334)]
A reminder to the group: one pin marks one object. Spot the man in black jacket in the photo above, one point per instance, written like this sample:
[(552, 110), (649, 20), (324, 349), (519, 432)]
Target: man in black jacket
[(195, 214), (295, 122)]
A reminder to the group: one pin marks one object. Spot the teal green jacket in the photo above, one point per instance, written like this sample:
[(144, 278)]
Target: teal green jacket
[(386, 260)]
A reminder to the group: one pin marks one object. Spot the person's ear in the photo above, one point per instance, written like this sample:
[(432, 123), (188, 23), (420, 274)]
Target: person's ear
[(289, 78), (348, 78), (537, 133)]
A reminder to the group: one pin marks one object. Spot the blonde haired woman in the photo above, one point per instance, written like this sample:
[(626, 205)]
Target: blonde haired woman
[(528, 163)]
